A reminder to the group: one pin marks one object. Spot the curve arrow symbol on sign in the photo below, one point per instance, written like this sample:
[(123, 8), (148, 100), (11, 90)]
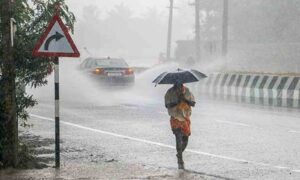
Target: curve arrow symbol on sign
[(57, 36), (55, 41)]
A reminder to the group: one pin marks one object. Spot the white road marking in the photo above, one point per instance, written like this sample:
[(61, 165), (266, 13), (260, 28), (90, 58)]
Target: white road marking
[(292, 131), (224, 121), (163, 112), (169, 146), (270, 110), (234, 123)]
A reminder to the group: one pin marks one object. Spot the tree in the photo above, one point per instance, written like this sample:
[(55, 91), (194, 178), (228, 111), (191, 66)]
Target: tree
[(90, 28), (25, 70), (119, 33), (9, 126), (264, 21)]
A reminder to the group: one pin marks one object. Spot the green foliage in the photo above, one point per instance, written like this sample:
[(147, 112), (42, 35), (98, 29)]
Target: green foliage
[(264, 21), (1, 124), (32, 19)]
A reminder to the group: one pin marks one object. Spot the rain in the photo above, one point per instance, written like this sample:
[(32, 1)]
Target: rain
[(240, 92)]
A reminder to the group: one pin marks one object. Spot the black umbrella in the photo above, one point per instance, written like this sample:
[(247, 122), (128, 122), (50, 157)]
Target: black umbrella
[(179, 76)]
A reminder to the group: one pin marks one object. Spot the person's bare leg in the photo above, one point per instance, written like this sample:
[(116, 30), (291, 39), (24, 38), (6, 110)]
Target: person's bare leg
[(179, 147)]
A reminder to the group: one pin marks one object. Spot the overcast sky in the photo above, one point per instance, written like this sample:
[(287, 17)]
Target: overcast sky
[(137, 6)]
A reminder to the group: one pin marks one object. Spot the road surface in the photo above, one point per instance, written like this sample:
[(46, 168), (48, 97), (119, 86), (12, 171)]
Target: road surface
[(228, 141)]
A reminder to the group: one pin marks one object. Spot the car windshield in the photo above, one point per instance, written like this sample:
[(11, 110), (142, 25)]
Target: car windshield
[(111, 63)]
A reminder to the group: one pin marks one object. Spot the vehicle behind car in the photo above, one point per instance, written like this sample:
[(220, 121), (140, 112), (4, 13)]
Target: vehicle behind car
[(109, 71)]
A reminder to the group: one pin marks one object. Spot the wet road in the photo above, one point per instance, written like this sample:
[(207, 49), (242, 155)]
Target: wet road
[(229, 141)]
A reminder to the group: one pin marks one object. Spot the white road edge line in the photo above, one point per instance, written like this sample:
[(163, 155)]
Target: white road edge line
[(163, 112), (292, 131), (234, 123), (169, 146)]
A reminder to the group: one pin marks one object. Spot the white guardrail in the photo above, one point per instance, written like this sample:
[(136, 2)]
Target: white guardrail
[(275, 90)]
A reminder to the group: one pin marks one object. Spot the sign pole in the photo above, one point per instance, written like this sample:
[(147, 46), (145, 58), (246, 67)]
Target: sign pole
[(56, 89), (56, 42)]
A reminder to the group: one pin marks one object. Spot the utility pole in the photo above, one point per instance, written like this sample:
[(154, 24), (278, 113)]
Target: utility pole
[(9, 122), (169, 40), (225, 29), (197, 31)]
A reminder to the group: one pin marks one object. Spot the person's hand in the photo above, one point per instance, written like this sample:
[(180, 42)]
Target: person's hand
[(181, 97), (191, 103)]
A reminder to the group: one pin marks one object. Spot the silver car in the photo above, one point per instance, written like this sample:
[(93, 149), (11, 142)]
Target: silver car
[(109, 71)]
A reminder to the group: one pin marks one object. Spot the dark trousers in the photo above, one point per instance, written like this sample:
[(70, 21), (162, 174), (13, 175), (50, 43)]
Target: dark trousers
[(181, 142)]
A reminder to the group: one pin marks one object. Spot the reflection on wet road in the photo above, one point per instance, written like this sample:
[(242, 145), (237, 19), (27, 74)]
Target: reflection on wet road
[(227, 140), (233, 141)]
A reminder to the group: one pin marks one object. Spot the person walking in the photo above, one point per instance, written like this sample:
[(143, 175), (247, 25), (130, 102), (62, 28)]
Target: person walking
[(178, 101)]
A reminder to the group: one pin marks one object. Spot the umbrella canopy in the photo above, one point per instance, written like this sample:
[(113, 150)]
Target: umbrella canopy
[(179, 76)]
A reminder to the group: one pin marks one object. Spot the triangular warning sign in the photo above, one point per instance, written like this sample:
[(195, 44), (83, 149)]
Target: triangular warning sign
[(56, 41)]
